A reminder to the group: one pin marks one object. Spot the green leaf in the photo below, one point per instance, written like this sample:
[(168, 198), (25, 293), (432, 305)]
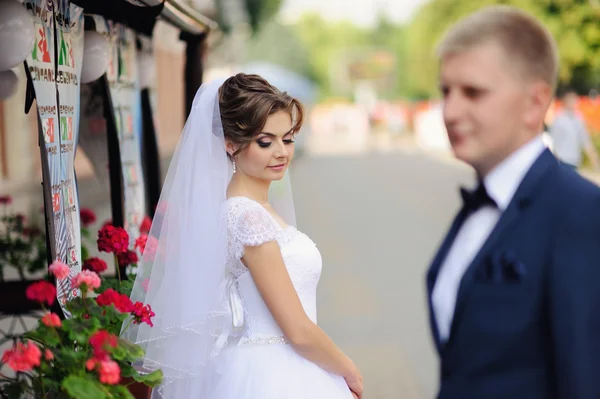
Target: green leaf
[(127, 350), (80, 306), (14, 389), (80, 387), (85, 253), (80, 329), (120, 392), (126, 287), (152, 380), (44, 335)]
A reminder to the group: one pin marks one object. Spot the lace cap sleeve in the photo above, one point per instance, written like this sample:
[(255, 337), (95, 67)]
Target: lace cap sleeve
[(254, 226)]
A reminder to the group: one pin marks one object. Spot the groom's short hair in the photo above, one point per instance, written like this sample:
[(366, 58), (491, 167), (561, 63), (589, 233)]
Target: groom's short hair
[(526, 42)]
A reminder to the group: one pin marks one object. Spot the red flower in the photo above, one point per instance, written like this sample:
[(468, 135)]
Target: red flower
[(6, 200), (51, 320), (31, 231), (87, 216), (102, 341), (112, 239), (142, 314), (145, 226), (107, 223), (48, 355), (95, 264), (42, 291), (90, 364), (23, 357), (140, 243), (127, 258), (111, 297)]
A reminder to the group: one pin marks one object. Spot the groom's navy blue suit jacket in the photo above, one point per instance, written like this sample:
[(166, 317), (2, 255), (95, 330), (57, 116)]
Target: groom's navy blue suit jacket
[(527, 317)]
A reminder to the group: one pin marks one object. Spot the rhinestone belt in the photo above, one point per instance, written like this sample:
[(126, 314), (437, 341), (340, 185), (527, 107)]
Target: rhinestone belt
[(264, 341)]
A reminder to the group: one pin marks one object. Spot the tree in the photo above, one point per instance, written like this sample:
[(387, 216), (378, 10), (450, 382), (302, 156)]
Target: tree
[(573, 24)]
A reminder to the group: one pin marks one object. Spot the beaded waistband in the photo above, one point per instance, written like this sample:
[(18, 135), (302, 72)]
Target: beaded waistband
[(280, 339)]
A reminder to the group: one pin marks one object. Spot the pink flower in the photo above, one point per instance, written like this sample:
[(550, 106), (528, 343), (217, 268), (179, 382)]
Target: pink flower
[(23, 357), (150, 248), (140, 243), (146, 284), (48, 355), (110, 372), (51, 320), (87, 277), (59, 269), (42, 291)]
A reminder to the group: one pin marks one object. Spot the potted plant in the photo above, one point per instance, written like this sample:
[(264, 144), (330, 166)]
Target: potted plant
[(83, 356)]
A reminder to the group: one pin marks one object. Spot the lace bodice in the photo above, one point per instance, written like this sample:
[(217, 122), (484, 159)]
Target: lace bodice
[(250, 224)]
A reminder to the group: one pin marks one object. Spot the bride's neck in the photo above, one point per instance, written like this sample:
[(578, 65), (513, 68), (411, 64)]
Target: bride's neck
[(246, 186)]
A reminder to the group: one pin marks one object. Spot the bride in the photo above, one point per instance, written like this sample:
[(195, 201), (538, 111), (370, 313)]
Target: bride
[(232, 281)]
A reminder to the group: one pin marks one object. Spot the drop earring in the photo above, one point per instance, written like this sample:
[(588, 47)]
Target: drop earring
[(234, 166)]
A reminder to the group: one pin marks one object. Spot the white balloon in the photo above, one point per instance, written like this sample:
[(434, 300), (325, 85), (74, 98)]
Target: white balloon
[(17, 34), (96, 51), (8, 84)]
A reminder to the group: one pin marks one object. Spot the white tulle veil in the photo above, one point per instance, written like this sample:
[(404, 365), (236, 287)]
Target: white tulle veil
[(183, 273)]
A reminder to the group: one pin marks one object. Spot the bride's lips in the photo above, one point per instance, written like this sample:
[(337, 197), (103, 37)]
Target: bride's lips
[(277, 168)]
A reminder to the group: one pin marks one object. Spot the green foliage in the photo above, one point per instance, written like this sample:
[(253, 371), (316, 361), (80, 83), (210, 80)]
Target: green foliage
[(573, 24), (261, 11), (68, 372), (321, 50), (333, 47), (22, 247), (278, 44)]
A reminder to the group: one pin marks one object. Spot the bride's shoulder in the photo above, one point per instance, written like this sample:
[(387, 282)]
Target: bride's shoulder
[(249, 221), (238, 204), (243, 209)]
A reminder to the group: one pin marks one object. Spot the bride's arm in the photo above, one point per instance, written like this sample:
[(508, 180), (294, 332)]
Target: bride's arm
[(273, 282)]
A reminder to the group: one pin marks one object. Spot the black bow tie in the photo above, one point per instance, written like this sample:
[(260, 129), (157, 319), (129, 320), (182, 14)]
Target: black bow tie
[(473, 200)]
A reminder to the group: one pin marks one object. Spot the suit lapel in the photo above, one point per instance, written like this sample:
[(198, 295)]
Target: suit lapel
[(523, 198), (435, 268)]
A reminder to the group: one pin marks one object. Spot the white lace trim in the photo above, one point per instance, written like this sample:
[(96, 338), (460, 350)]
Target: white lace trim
[(250, 224)]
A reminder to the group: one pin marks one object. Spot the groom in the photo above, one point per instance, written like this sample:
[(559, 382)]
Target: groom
[(514, 291)]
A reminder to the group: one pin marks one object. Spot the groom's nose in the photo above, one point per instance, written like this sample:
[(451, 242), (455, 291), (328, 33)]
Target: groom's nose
[(454, 106)]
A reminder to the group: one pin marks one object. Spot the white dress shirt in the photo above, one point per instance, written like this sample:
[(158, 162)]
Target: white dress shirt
[(570, 137), (501, 184)]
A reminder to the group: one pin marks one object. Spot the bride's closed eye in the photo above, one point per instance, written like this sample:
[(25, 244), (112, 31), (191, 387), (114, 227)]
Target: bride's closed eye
[(265, 144)]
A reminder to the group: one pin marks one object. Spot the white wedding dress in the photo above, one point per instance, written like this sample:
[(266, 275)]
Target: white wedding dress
[(261, 364)]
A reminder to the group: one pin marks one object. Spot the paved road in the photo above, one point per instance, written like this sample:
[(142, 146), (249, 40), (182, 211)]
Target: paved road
[(377, 219)]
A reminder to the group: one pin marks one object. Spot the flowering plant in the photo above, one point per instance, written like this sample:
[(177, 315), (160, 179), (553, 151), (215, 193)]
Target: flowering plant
[(84, 356), (22, 247)]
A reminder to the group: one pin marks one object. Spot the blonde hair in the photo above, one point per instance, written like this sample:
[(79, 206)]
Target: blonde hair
[(523, 38)]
